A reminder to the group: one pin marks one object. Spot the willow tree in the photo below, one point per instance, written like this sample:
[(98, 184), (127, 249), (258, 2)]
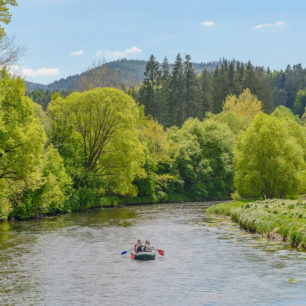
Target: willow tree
[(97, 133)]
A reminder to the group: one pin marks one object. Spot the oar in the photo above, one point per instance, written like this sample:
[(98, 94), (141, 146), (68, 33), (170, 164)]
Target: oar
[(160, 252), (124, 252)]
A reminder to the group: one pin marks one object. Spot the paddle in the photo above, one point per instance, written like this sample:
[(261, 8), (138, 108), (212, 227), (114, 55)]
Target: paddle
[(161, 252), (124, 252)]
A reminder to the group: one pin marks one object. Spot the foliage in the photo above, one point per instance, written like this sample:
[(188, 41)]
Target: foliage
[(159, 158), (236, 123), (5, 15), (268, 160), (300, 102), (204, 161), (246, 105), (281, 219), (21, 136), (96, 133)]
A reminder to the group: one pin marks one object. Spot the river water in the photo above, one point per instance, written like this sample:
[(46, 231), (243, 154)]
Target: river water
[(75, 260)]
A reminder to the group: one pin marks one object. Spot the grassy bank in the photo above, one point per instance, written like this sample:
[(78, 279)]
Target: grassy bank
[(276, 219)]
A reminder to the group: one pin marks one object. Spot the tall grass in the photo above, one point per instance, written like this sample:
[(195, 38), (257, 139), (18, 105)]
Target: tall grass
[(271, 218)]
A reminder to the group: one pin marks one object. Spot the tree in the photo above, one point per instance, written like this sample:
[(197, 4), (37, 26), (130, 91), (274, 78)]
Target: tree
[(204, 161), (164, 94), (5, 15), (55, 191), (9, 51), (300, 102), (204, 94), (176, 111), (246, 105), (294, 125), (96, 132), (159, 158), (268, 161), (22, 140), (150, 86), (190, 89)]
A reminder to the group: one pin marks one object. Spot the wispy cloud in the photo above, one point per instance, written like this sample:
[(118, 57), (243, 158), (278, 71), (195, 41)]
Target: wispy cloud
[(207, 23), (99, 53), (32, 73), (269, 25), (77, 53), (113, 55)]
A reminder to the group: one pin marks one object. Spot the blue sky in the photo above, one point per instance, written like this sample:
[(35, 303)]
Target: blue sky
[(64, 37)]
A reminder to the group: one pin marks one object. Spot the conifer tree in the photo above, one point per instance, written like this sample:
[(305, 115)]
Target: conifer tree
[(190, 107), (164, 95), (176, 89), (204, 95), (149, 88)]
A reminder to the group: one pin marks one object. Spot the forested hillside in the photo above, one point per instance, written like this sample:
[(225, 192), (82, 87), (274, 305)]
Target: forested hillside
[(123, 69), (173, 92)]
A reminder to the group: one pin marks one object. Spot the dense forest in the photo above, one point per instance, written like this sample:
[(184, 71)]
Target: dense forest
[(171, 93), (231, 130), (98, 148)]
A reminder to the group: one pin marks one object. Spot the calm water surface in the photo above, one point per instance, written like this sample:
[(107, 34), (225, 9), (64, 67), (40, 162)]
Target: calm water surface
[(75, 260)]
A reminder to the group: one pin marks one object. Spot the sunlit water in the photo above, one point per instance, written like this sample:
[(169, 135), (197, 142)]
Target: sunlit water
[(75, 260)]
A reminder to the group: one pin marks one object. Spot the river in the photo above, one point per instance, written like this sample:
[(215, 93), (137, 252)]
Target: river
[(75, 260)]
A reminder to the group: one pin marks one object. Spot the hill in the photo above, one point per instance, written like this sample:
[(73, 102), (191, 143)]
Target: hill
[(120, 72)]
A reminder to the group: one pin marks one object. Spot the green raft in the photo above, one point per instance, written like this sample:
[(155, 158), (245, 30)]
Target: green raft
[(143, 255)]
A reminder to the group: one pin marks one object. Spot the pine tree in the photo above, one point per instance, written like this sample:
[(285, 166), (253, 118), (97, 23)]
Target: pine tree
[(204, 95), (176, 90), (149, 88), (190, 107), (164, 95)]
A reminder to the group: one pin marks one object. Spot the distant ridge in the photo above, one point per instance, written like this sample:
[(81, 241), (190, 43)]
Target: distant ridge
[(131, 70)]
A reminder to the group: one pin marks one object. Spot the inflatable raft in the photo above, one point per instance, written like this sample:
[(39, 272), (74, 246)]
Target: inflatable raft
[(143, 255)]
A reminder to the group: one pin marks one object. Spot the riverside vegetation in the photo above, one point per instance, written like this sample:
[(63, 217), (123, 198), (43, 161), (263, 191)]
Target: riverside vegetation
[(284, 220), (100, 147)]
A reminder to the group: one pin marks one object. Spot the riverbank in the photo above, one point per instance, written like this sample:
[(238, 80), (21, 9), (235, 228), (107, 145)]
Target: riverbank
[(113, 202), (275, 219)]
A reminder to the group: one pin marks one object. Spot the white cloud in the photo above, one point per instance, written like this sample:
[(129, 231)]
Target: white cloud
[(113, 55), (99, 53), (207, 23), (77, 53), (269, 25), (32, 73)]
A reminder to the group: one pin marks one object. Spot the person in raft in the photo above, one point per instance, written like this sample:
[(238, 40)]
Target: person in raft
[(147, 247), (138, 247)]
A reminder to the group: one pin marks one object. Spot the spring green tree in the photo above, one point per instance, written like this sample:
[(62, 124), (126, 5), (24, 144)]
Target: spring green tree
[(204, 161), (159, 158), (245, 105), (5, 15), (22, 140), (268, 160), (300, 102), (97, 134)]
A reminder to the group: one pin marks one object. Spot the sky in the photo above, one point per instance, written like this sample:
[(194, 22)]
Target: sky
[(65, 37)]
